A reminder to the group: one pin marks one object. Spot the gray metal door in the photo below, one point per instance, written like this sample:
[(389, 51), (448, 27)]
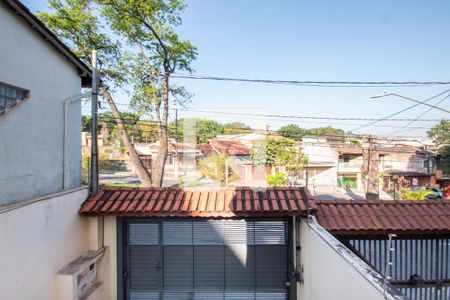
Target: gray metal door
[(143, 261), (212, 259)]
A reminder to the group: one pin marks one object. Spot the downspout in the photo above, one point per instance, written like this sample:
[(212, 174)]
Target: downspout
[(67, 102), (94, 147)]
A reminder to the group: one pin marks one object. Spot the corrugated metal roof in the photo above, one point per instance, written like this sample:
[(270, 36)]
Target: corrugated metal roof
[(170, 202), (365, 217)]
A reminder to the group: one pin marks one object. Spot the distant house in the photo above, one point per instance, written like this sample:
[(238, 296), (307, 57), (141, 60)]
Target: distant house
[(350, 160), (178, 156), (322, 165), (40, 157), (415, 165), (239, 157)]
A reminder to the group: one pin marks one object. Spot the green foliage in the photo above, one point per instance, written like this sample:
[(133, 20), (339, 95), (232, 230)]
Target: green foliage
[(347, 182), (77, 24), (148, 26), (326, 131), (295, 132), (208, 129), (277, 180), (443, 159), (148, 130), (204, 129), (85, 123), (236, 128), (214, 167), (440, 133), (419, 194), (441, 136), (292, 131), (278, 153)]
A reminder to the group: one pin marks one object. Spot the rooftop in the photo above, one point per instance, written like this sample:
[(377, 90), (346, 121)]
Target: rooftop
[(366, 217), (171, 202), (230, 147)]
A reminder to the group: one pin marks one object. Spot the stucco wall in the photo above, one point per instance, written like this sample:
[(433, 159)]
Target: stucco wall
[(331, 272), (31, 143), (38, 240)]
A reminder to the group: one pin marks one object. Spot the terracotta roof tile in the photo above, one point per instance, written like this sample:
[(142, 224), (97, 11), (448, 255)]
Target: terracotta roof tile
[(365, 217), (231, 202)]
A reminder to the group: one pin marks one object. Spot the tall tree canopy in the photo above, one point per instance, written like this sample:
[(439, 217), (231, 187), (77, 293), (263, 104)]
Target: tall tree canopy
[(295, 132), (281, 152), (148, 26), (154, 52)]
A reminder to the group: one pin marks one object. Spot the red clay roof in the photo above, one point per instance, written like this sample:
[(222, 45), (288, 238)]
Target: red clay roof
[(365, 217), (230, 147), (170, 202), (205, 149)]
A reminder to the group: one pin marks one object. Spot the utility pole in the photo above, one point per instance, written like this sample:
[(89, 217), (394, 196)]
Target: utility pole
[(370, 170), (94, 147)]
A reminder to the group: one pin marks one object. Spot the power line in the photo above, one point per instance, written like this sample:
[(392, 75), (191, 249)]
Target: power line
[(295, 117), (399, 112), (419, 116), (304, 117), (315, 83), (296, 121)]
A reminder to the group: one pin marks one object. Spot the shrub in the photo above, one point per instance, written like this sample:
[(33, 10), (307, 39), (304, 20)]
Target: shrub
[(277, 180)]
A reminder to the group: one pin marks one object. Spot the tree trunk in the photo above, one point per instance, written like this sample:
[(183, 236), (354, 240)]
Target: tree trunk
[(142, 173), (160, 161)]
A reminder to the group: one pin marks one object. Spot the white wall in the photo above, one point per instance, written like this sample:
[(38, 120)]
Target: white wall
[(31, 136), (36, 241), (331, 271)]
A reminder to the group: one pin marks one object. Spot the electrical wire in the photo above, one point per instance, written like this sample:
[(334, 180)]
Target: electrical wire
[(419, 116), (399, 112), (296, 117), (315, 83)]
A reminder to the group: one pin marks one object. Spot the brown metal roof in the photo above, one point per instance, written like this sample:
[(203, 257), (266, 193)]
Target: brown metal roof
[(365, 217), (21, 10), (170, 202)]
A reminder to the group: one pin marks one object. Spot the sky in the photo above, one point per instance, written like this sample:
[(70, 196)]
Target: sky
[(345, 40)]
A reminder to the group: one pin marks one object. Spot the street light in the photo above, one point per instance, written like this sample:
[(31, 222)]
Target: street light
[(411, 99)]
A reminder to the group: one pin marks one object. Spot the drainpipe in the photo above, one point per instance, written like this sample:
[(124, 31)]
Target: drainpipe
[(94, 148), (66, 118)]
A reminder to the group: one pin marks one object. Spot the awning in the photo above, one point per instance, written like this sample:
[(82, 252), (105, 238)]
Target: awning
[(171, 202)]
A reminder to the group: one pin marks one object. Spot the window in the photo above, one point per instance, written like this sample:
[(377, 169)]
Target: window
[(9, 95)]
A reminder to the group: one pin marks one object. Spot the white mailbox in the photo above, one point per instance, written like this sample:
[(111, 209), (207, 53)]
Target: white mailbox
[(79, 278)]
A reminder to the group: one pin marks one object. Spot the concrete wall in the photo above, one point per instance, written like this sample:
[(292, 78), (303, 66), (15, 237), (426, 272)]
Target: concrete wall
[(36, 241), (31, 143), (331, 271)]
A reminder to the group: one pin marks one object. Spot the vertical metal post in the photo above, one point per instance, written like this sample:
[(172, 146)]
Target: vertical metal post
[(176, 144), (94, 147)]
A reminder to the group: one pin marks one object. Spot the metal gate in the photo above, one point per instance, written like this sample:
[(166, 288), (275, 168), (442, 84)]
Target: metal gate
[(419, 266), (206, 259)]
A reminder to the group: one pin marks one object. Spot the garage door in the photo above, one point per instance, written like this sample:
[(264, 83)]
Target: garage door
[(214, 259)]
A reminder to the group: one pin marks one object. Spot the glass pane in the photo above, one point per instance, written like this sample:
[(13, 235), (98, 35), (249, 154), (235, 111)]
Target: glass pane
[(10, 102), (11, 92)]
